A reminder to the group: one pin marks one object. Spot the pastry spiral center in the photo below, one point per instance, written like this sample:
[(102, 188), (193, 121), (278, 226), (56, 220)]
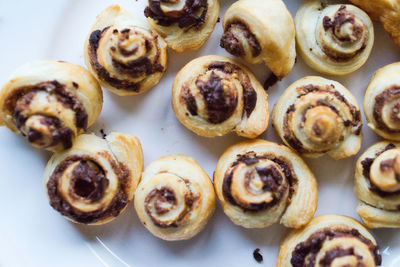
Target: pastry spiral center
[(385, 171), (341, 34)]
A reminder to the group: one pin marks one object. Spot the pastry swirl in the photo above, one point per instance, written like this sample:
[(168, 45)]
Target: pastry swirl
[(50, 103), (175, 198), (125, 55), (185, 24), (333, 39), (92, 182), (377, 185), (316, 116), (260, 183), (214, 95), (382, 102), (261, 31), (329, 240)]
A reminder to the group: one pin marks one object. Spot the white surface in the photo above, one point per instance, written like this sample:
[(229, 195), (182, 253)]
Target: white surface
[(32, 234)]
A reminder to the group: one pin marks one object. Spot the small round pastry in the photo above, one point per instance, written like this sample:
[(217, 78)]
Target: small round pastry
[(315, 116), (377, 185), (382, 102), (125, 55), (333, 39), (260, 183), (261, 31), (330, 240), (50, 103), (185, 24), (92, 182), (175, 198), (214, 95)]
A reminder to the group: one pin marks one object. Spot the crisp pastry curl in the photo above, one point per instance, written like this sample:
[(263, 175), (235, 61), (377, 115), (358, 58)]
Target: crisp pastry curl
[(329, 240), (377, 185), (261, 31), (185, 24), (333, 39), (125, 55), (175, 198), (214, 95), (260, 183), (385, 11), (315, 116), (50, 103), (92, 182), (382, 102)]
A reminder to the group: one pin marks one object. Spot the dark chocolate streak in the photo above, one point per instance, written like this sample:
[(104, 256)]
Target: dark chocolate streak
[(271, 178), (380, 100), (366, 168), (185, 18), (112, 210), (305, 253), (233, 44)]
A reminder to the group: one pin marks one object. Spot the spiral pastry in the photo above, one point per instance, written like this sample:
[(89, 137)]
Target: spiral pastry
[(92, 182), (315, 116), (175, 198), (382, 102), (385, 11), (261, 31), (260, 183), (377, 185), (333, 39), (185, 24), (125, 55), (50, 103), (330, 240), (214, 95)]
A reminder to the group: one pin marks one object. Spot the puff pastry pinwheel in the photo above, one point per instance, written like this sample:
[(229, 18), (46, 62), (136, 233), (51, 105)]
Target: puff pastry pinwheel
[(316, 116), (382, 102), (260, 183), (125, 55), (385, 11), (175, 198), (333, 39), (329, 240), (92, 182), (377, 185), (185, 24), (214, 95), (261, 31), (50, 103)]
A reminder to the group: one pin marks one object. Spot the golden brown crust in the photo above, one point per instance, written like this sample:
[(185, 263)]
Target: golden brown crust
[(259, 183)]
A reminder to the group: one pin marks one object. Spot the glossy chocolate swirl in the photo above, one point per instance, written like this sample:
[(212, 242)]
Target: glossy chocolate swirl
[(126, 58), (184, 13)]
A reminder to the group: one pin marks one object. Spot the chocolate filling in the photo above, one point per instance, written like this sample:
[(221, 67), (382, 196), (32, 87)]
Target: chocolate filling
[(95, 177), (305, 253), (270, 81), (380, 101), (186, 18), (233, 44)]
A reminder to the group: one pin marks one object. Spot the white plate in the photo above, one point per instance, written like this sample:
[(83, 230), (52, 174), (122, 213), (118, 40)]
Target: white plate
[(33, 234)]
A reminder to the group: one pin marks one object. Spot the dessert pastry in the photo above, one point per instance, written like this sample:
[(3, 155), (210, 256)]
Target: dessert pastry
[(214, 95), (333, 39), (377, 185), (92, 182), (185, 24), (316, 116), (175, 198), (125, 55), (385, 11), (261, 31), (260, 183), (329, 240), (50, 103), (382, 102)]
